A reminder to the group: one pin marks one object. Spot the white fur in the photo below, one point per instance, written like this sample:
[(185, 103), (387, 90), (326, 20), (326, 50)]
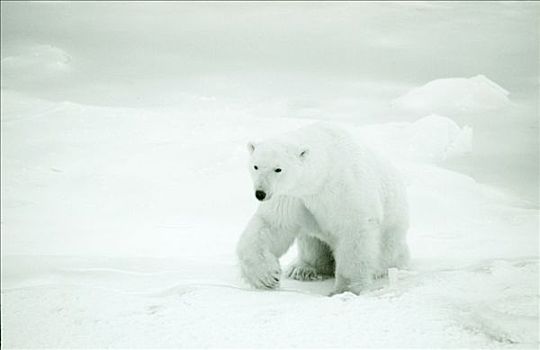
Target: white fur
[(345, 205)]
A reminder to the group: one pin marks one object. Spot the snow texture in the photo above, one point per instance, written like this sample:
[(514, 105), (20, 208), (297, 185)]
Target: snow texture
[(124, 187)]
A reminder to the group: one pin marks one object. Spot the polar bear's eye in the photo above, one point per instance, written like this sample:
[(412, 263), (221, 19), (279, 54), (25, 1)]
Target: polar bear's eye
[(256, 167), (278, 170)]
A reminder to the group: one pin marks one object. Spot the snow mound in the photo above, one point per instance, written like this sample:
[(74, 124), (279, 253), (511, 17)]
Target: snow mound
[(36, 62), (431, 139), (454, 96), (435, 138)]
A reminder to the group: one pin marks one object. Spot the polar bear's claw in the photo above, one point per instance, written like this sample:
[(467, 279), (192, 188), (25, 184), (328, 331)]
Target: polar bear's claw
[(263, 279), (304, 273), (270, 282)]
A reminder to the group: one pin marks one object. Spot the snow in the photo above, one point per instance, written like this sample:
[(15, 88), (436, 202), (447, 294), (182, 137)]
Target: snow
[(37, 59), (431, 139), (178, 304), (135, 214), (125, 189), (454, 95)]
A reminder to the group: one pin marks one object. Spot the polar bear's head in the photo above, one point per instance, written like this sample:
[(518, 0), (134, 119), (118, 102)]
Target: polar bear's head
[(276, 169)]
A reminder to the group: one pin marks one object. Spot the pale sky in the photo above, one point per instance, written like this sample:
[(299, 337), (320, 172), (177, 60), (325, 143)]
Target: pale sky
[(403, 43)]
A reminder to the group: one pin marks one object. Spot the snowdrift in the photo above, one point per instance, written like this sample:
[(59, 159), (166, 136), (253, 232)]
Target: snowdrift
[(431, 139), (35, 63), (454, 96)]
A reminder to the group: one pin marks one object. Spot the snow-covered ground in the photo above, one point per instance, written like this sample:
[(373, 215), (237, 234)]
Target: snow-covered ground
[(150, 204), (120, 216)]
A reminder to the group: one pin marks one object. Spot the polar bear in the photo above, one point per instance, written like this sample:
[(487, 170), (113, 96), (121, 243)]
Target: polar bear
[(345, 206)]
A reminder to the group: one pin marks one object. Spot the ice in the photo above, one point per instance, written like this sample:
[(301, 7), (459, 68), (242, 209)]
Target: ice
[(37, 59), (431, 139), (451, 96)]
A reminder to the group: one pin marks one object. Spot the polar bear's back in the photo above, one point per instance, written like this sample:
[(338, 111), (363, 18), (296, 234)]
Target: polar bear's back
[(342, 148), (340, 154)]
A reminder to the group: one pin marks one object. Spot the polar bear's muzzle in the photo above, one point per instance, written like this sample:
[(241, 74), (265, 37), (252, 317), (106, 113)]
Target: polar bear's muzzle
[(260, 195)]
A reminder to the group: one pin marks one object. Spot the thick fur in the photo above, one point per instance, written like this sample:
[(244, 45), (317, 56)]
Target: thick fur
[(345, 206)]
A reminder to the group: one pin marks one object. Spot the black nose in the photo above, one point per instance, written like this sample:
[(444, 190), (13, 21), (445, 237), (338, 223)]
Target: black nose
[(260, 195)]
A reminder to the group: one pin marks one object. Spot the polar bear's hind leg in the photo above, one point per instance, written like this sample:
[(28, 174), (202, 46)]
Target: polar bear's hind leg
[(395, 251), (314, 262)]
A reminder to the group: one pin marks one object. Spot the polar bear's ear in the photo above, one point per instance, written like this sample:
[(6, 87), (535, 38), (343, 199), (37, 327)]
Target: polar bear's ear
[(304, 153), (251, 147)]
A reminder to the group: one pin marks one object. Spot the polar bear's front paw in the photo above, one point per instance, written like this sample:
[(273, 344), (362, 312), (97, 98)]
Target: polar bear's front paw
[(262, 275), (262, 279), (303, 272)]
